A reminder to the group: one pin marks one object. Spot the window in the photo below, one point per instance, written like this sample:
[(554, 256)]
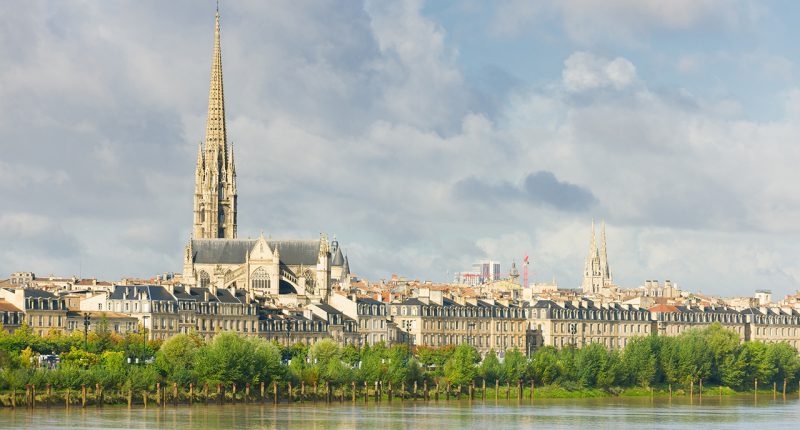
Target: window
[(205, 280), (260, 279)]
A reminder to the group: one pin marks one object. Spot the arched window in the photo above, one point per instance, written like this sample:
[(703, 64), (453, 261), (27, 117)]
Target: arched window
[(205, 280), (259, 280)]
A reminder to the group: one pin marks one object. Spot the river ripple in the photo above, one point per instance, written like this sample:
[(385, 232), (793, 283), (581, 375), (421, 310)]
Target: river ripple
[(618, 413)]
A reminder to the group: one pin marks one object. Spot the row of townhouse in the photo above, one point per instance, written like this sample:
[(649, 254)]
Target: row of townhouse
[(433, 321), (579, 323)]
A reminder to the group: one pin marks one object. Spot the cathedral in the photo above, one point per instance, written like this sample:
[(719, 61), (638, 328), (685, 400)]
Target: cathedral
[(596, 275), (288, 271)]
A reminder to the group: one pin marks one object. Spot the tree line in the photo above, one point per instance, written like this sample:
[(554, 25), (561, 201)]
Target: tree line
[(713, 355)]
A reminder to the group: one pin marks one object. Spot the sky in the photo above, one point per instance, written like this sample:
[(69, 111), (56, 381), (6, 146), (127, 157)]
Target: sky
[(424, 135)]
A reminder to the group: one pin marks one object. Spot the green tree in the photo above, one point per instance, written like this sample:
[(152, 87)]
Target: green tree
[(461, 368), (490, 367), (175, 360), (546, 365), (640, 361), (514, 366)]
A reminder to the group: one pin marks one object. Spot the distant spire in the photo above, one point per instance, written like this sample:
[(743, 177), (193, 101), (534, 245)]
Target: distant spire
[(593, 243), (604, 253)]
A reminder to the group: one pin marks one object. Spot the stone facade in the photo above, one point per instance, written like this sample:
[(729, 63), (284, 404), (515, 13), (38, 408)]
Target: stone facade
[(436, 322), (44, 311)]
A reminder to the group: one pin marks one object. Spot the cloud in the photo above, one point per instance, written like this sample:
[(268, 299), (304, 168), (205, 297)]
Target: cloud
[(366, 120), (584, 71), (538, 188), (626, 22)]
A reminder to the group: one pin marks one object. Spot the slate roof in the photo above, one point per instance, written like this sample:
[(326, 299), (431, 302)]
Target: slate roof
[(150, 292), (338, 258), (198, 294), (327, 308), (234, 251), (368, 301)]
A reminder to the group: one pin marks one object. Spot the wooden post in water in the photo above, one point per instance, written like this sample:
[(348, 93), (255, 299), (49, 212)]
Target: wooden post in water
[(130, 397), (316, 391), (233, 393), (691, 389), (533, 388), (33, 396), (158, 394), (472, 390), (219, 394), (377, 393), (14, 398), (83, 395), (263, 397), (784, 388), (425, 394), (755, 388), (175, 393), (483, 389), (390, 392), (353, 387), (670, 391), (366, 392), (508, 390), (519, 389), (49, 391), (436, 393), (701, 389), (496, 390), (66, 398), (414, 397), (447, 391), (720, 390), (191, 393), (246, 392), (275, 393), (403, 390), (328, 391), (774, 390), (289, 392), (144, 397), (205, 392)]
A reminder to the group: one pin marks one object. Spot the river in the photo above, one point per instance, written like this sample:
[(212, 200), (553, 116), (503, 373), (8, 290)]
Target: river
[(736, 412)]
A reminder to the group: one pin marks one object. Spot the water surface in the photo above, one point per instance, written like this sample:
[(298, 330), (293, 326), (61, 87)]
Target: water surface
[(740, 412)]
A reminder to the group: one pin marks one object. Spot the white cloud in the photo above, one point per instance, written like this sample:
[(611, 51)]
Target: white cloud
[(584, 71)]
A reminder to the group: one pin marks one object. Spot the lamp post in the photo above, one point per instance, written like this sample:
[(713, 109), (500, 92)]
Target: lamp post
[(573, 329), (86, 319), (144, 337)]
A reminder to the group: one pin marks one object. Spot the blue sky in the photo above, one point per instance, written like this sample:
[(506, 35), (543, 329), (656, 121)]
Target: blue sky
[(425, 135)]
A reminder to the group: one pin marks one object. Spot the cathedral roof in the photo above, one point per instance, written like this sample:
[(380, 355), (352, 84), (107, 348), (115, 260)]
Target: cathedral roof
[(338, 258), (234, 251)]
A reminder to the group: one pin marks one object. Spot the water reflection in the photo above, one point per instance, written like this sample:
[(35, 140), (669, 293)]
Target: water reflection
[(620, 413)]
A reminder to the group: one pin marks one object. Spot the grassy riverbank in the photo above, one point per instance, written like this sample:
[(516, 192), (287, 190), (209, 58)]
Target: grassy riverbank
[(174, 395)]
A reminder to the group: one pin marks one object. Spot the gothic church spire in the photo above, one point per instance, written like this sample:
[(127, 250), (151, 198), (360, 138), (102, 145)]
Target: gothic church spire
[(215, 197)]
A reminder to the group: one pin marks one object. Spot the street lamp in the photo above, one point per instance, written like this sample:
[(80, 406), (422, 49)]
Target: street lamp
[(573, 329), (86, 319), (144, 336)]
